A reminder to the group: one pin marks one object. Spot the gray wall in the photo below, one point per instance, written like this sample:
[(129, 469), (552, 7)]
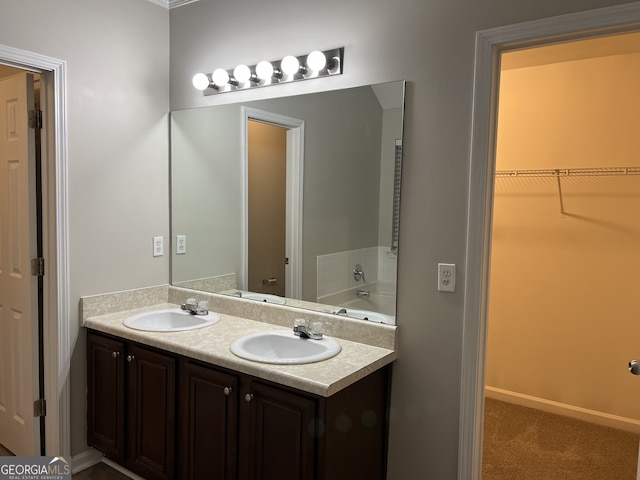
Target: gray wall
[(431, 45), (206, 191), (118, 98), (117, 54)]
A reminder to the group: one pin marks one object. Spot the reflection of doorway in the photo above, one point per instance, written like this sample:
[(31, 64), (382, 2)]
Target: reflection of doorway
[(266, 179), (294, 139), (554, 239)]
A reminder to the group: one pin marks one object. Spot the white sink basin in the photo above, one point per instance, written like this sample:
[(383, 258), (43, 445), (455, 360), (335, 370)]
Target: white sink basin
[(169, 320), (284, 347)]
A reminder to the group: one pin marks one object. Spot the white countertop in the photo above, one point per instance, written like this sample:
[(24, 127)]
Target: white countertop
[(211, 345)]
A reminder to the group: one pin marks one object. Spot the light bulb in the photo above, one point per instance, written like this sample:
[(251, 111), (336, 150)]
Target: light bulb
[(242, 73), (220, 77), (290, 65), (316, 61), (200, 81), (264, 70)]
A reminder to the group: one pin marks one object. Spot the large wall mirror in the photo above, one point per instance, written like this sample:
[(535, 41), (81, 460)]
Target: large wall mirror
[(291, 200)]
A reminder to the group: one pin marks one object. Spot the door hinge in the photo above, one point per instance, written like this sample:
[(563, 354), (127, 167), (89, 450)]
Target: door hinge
[(40, 408), (35, 119), (37, 267)]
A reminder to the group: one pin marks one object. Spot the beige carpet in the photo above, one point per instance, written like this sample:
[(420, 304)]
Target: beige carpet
[(526, 444)]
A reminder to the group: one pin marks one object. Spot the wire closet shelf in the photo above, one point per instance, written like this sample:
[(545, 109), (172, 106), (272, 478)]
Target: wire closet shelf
[(560, 173), (570, 172)]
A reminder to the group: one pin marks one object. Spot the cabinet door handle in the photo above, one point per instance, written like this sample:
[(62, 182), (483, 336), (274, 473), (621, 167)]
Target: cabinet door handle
[(248, 397), (115, 354), (130, 358), (227, 390)]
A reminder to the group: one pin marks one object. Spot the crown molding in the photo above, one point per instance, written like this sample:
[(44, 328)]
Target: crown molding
[(172, 3), (179, 3)]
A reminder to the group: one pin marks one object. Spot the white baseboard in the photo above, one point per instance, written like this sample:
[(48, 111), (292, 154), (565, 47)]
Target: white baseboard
[(85, 459), (91, 457), (121, 469), (571, 411)]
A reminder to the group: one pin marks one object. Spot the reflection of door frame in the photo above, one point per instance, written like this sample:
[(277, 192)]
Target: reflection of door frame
[(57, 332), (295, 184), (489, 46)]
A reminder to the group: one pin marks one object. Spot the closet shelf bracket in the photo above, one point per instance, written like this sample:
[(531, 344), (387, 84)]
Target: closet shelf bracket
[(560, 194)]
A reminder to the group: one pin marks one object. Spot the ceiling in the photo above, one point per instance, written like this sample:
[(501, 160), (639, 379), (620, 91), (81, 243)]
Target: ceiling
[(604, 46)]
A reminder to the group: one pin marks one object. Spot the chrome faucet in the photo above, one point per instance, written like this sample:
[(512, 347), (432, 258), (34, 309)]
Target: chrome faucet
[(302, 329), (342, 311), (194, 307), (358, 274)]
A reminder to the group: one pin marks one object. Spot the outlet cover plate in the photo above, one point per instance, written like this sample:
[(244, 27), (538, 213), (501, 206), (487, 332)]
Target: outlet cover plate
[(181, 244), (446, 277), (158, 246)]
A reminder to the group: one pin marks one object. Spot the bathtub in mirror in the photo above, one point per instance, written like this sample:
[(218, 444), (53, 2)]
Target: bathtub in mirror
[(284, 197)]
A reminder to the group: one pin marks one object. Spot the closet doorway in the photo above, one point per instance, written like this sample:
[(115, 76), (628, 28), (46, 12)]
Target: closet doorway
[(565, 261)]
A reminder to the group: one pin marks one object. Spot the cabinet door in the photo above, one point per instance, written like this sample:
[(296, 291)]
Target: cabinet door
[(151, 407), (281, 431), (208, 403), (105, 395)]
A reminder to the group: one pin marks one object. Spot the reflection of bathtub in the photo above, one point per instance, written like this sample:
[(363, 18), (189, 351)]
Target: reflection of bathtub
[(376, 302), (381, 302), (369, 315)]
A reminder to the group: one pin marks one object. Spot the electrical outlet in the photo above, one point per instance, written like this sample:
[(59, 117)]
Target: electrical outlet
[(158, 246), (446, 277), (181, 244)]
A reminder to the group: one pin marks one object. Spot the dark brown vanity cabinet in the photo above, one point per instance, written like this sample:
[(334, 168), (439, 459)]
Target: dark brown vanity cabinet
[(252, 429), (230, 426), (234, 427), (105, 395), (208, 412), (279, 437), (131, 405)]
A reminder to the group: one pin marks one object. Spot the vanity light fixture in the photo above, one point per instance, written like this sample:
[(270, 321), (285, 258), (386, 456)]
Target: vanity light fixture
[(290, 69)]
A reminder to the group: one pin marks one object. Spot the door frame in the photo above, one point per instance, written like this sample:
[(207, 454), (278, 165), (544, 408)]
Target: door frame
[(489, 45), (294, 195), (55, 233)]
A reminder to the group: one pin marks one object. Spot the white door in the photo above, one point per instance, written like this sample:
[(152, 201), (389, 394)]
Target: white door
[(19, 430)]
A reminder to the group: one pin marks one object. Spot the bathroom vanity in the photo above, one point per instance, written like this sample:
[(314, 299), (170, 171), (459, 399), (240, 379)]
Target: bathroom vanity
[(181, 405), (166, 416)]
